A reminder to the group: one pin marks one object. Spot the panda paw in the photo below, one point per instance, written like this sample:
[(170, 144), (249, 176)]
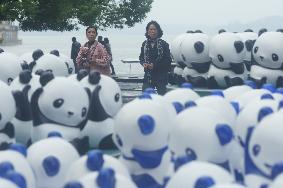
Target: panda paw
[(233, 81), (211, 83), (198, 81), (279, 82), (81, 144), (259, 82)]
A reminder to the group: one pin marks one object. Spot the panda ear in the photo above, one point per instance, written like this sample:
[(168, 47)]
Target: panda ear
[(199, 47), (1, 50), (224, 133), (265, 111), (94, 77), (239, 46), (45, 77), (37, 54), (81, 74), (249, 45), (55, 52)]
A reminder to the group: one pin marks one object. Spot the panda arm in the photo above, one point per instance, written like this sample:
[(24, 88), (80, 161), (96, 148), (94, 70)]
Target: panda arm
[(9, 130), (23, 107), (237, 68), (35, 108)]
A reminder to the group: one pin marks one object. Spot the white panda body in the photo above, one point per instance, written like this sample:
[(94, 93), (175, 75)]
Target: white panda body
[(271, 76)]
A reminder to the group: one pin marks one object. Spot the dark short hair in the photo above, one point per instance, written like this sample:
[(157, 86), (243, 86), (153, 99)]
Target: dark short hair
[(159, 30), (74, 39), (91, 27)]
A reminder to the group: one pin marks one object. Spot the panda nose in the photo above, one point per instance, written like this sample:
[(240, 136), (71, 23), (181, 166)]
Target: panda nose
[(261, 57), (70, 113)]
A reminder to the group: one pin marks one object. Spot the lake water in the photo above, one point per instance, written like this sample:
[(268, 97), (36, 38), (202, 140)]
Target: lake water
[(123, 46)]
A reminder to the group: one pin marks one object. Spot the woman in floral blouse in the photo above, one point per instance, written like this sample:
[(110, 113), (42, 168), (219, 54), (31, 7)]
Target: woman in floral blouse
[(93, 55)]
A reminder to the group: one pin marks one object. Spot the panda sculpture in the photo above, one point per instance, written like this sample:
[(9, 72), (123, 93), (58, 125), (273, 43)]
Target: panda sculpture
[(248, 37), (141, 132), (277, 182), (50, 159), (204, 139), (95, 160), (10, 67), (60, 105), (198, 174), (12, 179), (268, 63), (8, 109), (263, 154), (105, 178), (228, 185), (227, 53), (106, 101), (194, 51), (26, 82)]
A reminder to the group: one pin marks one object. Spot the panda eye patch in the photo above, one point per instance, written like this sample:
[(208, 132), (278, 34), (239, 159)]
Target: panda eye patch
[(255, 50), (275, 57), (220, 58), (256, 149), (58, 103), (84, 112), (117, 97)]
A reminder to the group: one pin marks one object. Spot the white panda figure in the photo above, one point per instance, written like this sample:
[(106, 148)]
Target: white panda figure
[(5, 182), (69, 62), (50, 160), (263, 154), (268, 63), (55, 107), (105, 178), (199, 174), (95, 160), (194, 51), (141, 132), (197, 138), (106, 101), (180, 65), (53, 63), (228, 185), (8, 109), (15, 159), (248, 37), (227, 53), (27, 57), (10, 66), (233, 92), (23, 119)]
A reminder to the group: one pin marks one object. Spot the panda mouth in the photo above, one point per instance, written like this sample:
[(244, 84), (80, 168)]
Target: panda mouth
[(70, 114)]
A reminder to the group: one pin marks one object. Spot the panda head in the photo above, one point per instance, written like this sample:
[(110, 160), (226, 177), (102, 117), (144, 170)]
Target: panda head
[(8, 105), (265, 143), (248, 37), (226, 48), (198, 138), (64, 101), (176, 47), (194, 48), (201, 174), (268, 50), (50, 159)]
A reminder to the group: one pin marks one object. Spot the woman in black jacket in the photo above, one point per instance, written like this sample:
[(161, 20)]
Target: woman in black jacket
[(155, 58)]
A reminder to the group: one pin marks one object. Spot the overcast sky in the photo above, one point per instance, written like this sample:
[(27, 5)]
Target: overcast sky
[(212, 12)]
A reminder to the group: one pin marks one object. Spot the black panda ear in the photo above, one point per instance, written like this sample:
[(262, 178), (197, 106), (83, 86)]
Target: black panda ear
[(37, 54), (248, 30), (39, 72), (221, 31), (198, 31), (25, 76), (1, 50), (189, 31), (55, 52), (94, 77), (249, 45), (280, 30), (24, 65), (239, 46), (45, 77), (261, 31), (199, 47), (81, 74)]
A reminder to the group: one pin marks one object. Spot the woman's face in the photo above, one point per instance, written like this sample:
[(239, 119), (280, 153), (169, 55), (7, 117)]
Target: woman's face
[(91, 34), (152, 32)]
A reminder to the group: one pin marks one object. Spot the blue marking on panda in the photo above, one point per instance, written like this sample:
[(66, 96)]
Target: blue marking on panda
[(204, 182), (225, 165), (280, 105), (106, 178), (217, 92), (269, 87), (250, 83), (276, 170), (180, 161), (187, 86), (264, 186), (224, 133), (94, 160), (19, 148), (148, 159), (236, 106), (146, 180), (146, 124), (5, 167), (279, 90), (178, 107), (145, 96), (54, 134), (16, 178), (190, 104), (267, 96), (150, 90), (73, 184), (265, 111), (51, 166)]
